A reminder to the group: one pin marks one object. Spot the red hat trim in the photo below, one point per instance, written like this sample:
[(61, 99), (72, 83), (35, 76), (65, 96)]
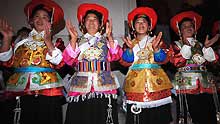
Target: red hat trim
[(187, 14), (51, 6), (143, 11), (83, 8)]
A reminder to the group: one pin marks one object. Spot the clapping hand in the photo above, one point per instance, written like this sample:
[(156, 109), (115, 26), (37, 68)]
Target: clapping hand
[(210, 42), (109, 33), (72, 32), (156, 43), (128, 42), (7, 33), (48, 37)]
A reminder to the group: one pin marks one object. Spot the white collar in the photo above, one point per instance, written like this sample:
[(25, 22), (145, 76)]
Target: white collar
[(191, 41), (145, 40), (34, 32), (87, 35), (29, 38)]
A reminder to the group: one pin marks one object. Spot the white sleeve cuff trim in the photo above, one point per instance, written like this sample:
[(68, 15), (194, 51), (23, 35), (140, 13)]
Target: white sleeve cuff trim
[(186, 51), (56, 56), (115, 44), (5, 56), (209, 54)]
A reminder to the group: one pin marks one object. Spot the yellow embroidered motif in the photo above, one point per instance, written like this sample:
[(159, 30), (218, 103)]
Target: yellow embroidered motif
[(152, 80), (100, 44), (92, 53)]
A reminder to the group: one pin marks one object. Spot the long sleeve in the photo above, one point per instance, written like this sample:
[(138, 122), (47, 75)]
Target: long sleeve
[(55, 57), (115, 53), (128, 55), (209, 54), (177, 59), (6, 56), (164, 54), (186, 52), (160, 56), (70, 55)]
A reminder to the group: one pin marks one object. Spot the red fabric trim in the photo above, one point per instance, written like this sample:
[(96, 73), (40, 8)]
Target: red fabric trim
[(189, 14), (58, 15), (46, 92), (83, 8), (150, 96), (150, 12)]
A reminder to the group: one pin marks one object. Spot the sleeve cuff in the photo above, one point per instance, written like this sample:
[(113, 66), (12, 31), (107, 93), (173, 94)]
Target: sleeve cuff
[(128, 56), (113, 50), (56, 56), (208, 54), (160, 56), (5, 56), (186, 51), (72, 53)]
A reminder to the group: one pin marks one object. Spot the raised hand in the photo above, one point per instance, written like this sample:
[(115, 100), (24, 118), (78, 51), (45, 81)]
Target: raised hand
[(108, 31), (210, 42), (156, 43), (7, 33), (73, 33), (128, 42), (48, 37)]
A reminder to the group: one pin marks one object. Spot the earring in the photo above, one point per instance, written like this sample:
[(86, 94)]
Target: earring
[(102, 30), (180, 36), (82, 28), (195, 35), (149, 31), (133, 32)]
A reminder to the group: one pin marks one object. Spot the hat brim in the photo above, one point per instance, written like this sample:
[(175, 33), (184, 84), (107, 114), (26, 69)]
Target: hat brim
[(143, 11), (58, 14), (187, 14), (83, 8)]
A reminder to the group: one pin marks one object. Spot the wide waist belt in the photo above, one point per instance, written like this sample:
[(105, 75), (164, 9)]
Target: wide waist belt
[(143, 66), (93, 66), (196, 68), (33, 69)]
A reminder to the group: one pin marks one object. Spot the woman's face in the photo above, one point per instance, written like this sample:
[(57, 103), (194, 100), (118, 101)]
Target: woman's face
[(92, 24), (40, 19), (187, 29), (141, 26)]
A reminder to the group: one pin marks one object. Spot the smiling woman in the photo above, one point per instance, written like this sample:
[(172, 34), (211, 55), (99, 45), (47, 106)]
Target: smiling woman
[(146, 85), (92, 90), (35, 83), (192, 81)]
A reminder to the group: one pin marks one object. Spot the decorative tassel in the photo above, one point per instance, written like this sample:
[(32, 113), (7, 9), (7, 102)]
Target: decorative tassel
[(218, 117), (17, 111), (52, 16), (181, 116), (189, 119), (215, 96), (181, 120), (109, 119), (136, 111)]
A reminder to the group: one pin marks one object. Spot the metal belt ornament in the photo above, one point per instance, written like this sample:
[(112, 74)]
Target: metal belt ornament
[(189, 68), (135, 109)]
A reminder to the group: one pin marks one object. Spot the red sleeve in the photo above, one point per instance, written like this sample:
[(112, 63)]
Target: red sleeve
[(176, 57)]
